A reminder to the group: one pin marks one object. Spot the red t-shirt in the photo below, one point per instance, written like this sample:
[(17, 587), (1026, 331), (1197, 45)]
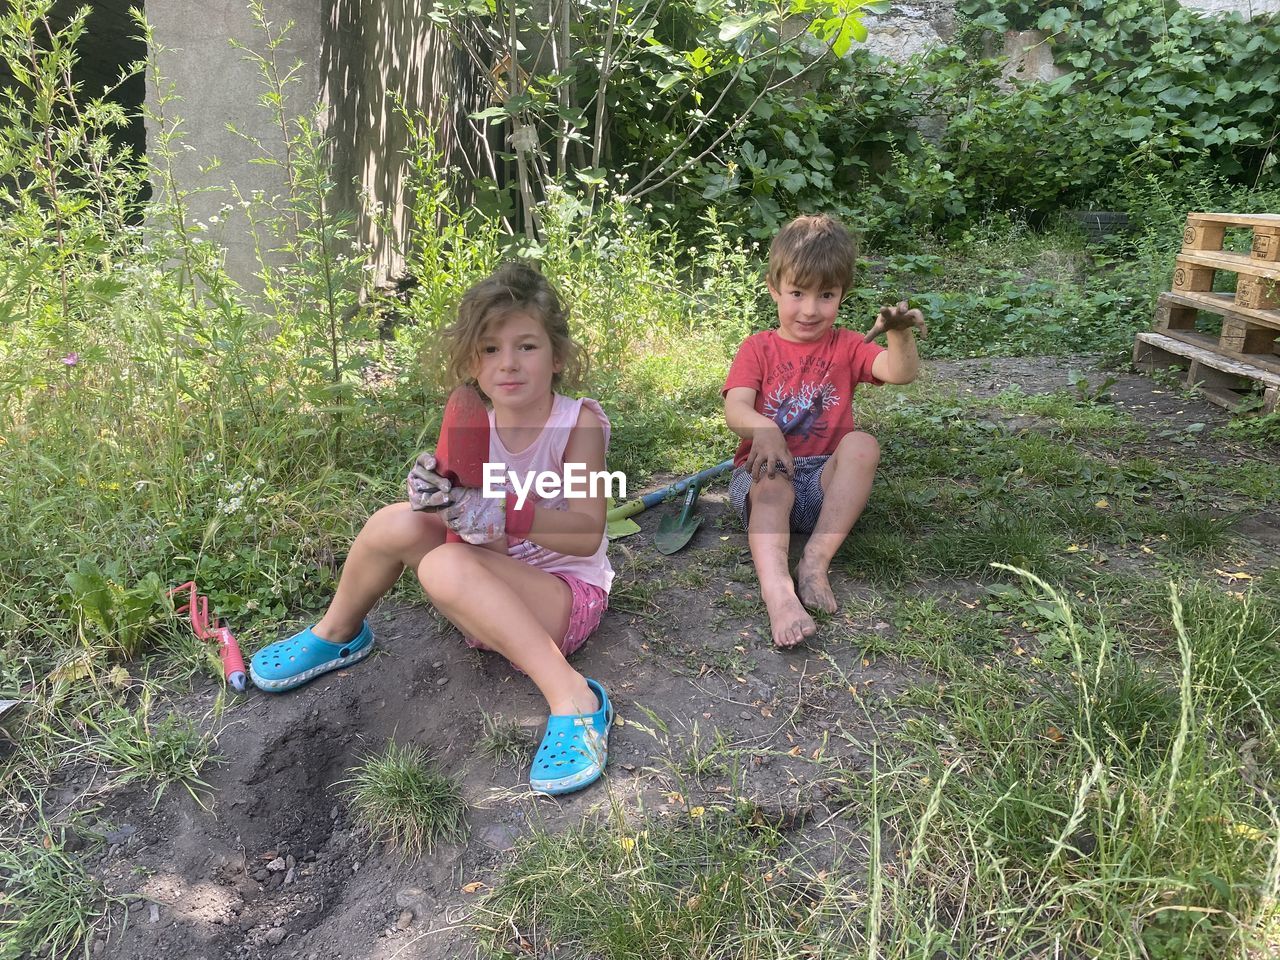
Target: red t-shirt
[(805, 388)]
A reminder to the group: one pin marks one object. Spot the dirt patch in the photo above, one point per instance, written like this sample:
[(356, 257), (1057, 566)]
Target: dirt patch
[(272, 864)]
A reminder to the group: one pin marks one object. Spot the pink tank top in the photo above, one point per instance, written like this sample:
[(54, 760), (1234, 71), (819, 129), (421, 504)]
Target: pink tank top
[(547, 454)]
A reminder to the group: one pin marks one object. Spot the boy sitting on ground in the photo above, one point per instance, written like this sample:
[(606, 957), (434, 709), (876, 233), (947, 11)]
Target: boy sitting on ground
[(801, 465)]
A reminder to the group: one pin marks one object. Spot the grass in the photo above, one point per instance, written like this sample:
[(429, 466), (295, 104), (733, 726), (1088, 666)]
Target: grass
[(48, 901), (710, 882), (172, 750), (405, 801), (503, 741), (1100, 814)]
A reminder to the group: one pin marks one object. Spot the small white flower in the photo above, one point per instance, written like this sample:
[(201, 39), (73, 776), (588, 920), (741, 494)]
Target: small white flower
[(139, 486), (210, 457)]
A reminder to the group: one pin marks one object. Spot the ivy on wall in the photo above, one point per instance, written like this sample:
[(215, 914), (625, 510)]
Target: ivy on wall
[(1178, 84)]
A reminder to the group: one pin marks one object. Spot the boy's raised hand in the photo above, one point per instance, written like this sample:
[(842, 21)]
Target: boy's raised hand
[(769, 453), (899, 317)]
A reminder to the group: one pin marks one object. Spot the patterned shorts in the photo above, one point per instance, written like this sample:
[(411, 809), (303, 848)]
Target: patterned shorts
[(808, 486), (587, 605)]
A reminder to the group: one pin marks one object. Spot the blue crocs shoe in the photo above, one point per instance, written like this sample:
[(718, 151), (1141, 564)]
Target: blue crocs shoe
[(574, 749), (290, 663)]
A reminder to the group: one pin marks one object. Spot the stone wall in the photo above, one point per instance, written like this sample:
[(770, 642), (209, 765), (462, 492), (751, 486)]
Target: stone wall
[(219, 88), (357, 57)]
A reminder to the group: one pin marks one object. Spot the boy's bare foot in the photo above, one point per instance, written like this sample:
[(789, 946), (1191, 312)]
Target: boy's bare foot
[(814, 587), (787, 619)]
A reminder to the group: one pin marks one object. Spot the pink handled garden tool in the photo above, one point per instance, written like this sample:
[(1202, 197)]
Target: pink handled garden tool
[(197, 608)]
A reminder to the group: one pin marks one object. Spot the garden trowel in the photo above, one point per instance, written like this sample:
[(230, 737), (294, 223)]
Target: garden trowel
[(676, 530)]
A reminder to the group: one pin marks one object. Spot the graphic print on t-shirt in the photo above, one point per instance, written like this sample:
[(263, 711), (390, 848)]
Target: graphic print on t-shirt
[(798, 409)]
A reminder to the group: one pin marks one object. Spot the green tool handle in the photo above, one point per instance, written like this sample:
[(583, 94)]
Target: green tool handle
[(624, 510), (631, 508), (690, 499)]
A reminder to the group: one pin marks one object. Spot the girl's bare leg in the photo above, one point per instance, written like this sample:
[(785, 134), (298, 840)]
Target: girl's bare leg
[(513, 609), (393, 538)]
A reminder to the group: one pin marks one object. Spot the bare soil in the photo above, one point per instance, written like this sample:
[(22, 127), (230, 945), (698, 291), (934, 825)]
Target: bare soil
[(273, 865)]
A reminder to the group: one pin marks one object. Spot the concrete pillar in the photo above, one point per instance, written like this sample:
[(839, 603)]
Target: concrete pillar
[(219, 87)]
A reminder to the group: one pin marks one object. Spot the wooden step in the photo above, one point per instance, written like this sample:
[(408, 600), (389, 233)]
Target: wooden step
[(1257, 286), (1223, 304), (1206, 232), (1226, 260), (1237, 219), (1238, 337), (1223, 380)]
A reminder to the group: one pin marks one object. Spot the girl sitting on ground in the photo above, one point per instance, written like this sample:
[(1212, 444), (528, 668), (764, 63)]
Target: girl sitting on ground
[(530, 583)]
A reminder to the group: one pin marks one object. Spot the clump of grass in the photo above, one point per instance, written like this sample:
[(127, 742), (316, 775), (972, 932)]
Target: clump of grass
[(47, 900), (702, 758), (403, 799), (948, 642), (1116, 811), (709, 884), (171, 751), (1192, 531), (993, 536), (503, 741)]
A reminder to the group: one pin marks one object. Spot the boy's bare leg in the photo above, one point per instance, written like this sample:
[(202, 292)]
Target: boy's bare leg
[(512, 608), (846, 486), (769, 535), (393, 538)]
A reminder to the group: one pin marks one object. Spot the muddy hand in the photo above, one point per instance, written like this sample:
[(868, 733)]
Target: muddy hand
[(427, 489), (477, 519), (900, 317)]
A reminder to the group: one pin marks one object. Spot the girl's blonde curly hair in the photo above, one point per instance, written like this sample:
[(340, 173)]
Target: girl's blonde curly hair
[(515, 287)]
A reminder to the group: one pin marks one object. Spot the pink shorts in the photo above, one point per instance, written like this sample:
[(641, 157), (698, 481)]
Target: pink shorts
[(587, 605)]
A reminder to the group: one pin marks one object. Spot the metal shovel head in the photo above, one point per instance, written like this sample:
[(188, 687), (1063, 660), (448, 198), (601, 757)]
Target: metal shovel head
[(672, 535), (676, 529)]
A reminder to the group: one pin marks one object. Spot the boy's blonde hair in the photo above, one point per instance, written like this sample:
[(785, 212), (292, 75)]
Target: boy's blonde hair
[(813, 250), (514, 287)]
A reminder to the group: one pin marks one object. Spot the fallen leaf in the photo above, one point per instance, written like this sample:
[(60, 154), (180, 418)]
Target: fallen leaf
[(1234, 575), (1102, 504), (1247, 830), (697, 812), (766, 712), (795, 751), (473, 886), (693, 902), (627, 843), (1018, 651), (1073, 548), (1054, 734)]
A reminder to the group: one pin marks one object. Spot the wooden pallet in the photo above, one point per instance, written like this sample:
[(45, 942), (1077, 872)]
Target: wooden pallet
[(1251, 336), (1202, 256), (1226, 381)]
